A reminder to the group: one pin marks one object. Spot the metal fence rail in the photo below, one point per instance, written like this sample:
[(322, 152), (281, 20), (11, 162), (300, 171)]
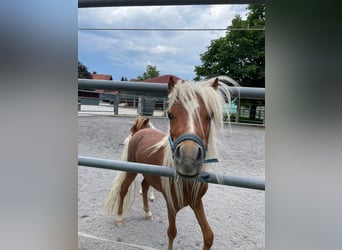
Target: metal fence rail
[(160, 89), (112, 3), (243, 182)]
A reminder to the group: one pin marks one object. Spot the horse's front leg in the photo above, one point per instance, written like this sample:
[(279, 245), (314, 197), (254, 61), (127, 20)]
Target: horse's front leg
[(172, 230), (208, 235)]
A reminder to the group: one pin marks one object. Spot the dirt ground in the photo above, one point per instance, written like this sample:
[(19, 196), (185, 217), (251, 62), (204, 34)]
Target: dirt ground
[(236, 215)]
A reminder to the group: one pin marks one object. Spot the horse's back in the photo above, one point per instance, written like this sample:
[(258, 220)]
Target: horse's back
[(141, 148)]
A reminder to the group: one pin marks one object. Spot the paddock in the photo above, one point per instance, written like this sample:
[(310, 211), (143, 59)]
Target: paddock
[(237, 215)]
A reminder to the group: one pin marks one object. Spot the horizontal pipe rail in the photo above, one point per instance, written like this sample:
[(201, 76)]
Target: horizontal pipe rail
[(242, 182), (136, 87), (117, 3), (160, 89)]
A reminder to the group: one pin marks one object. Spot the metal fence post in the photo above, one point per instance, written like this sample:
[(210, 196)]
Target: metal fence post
[(116, 104), (237, 114)]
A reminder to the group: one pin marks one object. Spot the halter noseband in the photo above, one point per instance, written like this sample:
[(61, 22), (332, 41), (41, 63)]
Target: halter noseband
[(192, 137)]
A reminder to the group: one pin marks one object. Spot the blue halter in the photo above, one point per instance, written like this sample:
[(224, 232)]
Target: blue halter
[(192, 137)]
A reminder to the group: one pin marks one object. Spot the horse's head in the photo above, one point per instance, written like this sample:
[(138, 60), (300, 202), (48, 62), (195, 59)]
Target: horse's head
[(192, 107)]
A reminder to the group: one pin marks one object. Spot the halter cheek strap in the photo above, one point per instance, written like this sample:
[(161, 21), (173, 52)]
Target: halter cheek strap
[(192, 137)]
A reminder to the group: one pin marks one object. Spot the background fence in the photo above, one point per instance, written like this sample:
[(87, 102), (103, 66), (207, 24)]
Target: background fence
[(160, 91), (150, 97)]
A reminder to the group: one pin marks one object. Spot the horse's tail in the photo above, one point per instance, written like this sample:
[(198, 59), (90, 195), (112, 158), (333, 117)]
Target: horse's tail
[(113, 197)]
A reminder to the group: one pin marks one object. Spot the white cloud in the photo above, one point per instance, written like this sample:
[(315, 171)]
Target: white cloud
[(162, 49), (134, 47), (169, 51)]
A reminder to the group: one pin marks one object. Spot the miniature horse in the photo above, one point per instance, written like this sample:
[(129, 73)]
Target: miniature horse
[(194, 115)]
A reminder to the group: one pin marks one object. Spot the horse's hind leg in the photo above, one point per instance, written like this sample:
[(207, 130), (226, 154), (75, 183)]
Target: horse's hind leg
[(123, 191), (152, 197), (208, 235), (145, 186)]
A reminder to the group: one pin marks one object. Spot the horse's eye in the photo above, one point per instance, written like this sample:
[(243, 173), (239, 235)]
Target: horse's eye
[(170, 115), (210, 117)]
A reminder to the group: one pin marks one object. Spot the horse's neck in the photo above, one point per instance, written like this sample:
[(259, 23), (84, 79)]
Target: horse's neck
[(151, 125)]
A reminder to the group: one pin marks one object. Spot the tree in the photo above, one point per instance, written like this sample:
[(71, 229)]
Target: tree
[(124, 78), (83, 72), (151, 71), (240, 54)]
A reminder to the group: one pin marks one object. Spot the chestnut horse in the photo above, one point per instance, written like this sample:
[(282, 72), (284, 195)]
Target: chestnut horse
[(195, 114)]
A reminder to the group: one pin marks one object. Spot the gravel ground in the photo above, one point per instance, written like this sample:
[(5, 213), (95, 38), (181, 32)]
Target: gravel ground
[(236, 215)]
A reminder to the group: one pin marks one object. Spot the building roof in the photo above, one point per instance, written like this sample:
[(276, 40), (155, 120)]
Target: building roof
[(102, 76), (162, 79)]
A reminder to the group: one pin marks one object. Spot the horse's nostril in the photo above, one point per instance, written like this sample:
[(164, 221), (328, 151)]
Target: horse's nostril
[(199, 154), (177, 151)]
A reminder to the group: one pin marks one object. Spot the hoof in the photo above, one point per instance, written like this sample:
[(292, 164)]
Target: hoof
[(148, 216), (118, 222), (152, 197)]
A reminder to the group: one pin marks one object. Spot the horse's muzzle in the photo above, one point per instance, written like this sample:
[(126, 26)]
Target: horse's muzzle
[(188, 155)]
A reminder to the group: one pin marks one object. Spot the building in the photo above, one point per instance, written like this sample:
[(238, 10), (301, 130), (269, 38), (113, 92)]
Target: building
[(160, 102), (93, 96), (162, 79)]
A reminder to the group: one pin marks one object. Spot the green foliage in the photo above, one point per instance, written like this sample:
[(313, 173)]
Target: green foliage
[(240, 54), (83, 72), (151, 71)]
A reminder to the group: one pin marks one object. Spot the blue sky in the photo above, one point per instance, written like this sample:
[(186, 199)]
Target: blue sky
[(127, 53)]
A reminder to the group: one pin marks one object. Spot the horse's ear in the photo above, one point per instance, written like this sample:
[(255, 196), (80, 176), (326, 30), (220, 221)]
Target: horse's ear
[(171, 84), (146, 121), (215, 83), (133, 129)]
